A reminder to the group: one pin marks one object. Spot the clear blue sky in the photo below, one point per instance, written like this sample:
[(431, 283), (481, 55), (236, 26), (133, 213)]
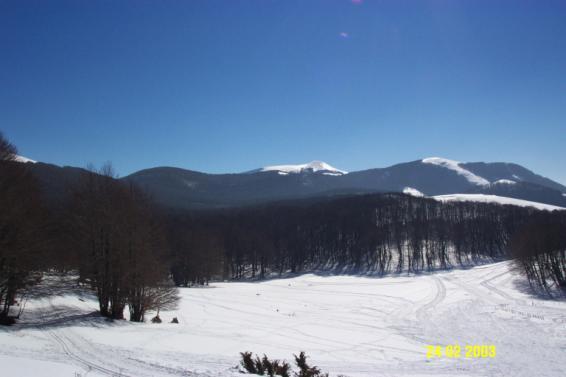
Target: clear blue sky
[(228, 86)]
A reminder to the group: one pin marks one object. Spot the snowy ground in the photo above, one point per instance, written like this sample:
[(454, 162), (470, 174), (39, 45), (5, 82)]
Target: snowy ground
[(483, 198), (356, 326)]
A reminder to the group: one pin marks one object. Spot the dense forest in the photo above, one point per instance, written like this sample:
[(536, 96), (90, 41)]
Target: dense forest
[(132, 254), (378, 234)]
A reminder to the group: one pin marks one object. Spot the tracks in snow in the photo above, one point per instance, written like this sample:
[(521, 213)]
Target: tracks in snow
[(93, 357), (439, 296), (83, 362)]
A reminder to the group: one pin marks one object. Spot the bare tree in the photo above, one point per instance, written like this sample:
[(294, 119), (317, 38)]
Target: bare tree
[(8, 151), (122, 251)]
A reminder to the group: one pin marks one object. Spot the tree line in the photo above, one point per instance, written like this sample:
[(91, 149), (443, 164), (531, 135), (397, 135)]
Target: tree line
[(378, 233)]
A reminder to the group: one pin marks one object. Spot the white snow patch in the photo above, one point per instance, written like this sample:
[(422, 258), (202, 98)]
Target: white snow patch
[(455, 166), (413, 192), (190, 184), (495, 199), (333, 173), (504, 182), (24, 159), (517, 177), (313, 166)]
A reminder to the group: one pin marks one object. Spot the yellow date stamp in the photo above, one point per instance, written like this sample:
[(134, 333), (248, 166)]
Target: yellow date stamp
[(455, 351)]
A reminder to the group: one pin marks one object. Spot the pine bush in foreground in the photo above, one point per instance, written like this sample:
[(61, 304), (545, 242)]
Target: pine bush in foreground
[(266, 367)]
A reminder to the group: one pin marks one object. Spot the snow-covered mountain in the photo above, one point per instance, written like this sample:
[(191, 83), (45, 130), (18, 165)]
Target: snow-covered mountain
[(428, 177), (310, 167), (433, 176)]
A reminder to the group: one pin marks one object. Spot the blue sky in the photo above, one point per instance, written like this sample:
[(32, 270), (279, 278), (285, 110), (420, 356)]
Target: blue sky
[(228, 86)]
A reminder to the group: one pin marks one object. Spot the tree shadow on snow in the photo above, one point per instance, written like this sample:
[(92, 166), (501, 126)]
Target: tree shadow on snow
[(368, 273), (522, 285), (76, 307)]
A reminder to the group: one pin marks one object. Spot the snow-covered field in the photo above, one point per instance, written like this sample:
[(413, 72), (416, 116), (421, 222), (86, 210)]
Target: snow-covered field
[(351, 325)]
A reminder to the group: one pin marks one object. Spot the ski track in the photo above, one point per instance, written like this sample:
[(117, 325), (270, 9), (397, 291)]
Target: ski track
[(356, 326), (86, 364)]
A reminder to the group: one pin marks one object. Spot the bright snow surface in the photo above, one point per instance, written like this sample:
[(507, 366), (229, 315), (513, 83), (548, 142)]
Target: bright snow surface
[(504, 182), (351, 325), (455, 166), (313, 166), (495, 199), (24, 159), (412, 191)]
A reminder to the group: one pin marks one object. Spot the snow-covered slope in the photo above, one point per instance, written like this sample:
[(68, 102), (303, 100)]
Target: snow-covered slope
[(350, 325), (25, 159), (455, 166), (313, 166), (495, 199)]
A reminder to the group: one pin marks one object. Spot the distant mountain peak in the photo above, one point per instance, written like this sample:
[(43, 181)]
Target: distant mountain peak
[(455, 166), (313, 166)]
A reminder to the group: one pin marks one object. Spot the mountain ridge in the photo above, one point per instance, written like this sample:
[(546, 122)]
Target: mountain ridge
[(174, 187), (431, 176)]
